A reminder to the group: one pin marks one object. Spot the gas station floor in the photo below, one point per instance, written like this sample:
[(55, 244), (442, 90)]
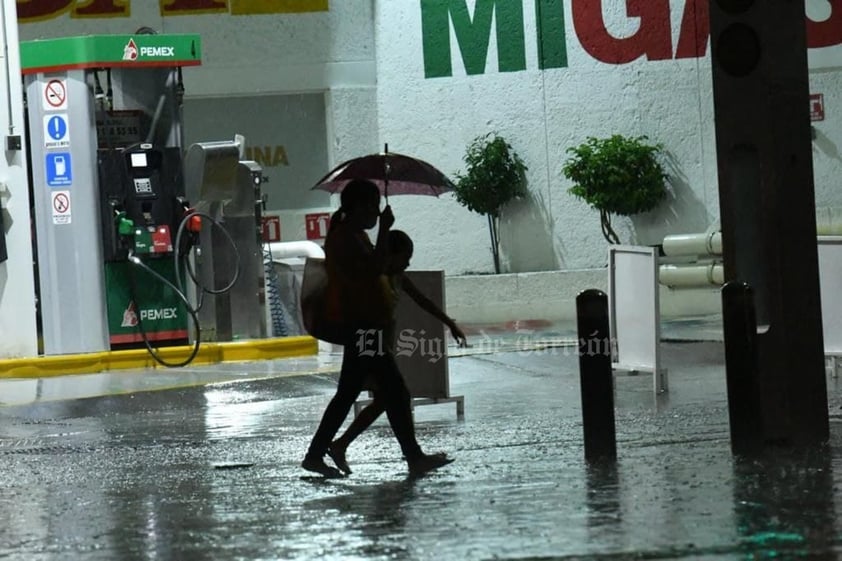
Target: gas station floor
[(484, 339), (100, 467)]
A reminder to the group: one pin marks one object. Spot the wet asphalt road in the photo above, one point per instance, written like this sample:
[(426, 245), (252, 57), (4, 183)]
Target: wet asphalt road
[(138, 476)]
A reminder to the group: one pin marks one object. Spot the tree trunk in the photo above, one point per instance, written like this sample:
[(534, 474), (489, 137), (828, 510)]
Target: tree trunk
[(607, 231), (495, 242)]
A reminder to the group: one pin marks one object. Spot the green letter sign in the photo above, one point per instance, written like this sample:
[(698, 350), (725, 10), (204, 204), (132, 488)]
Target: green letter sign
[(473, 35), (552, 43)]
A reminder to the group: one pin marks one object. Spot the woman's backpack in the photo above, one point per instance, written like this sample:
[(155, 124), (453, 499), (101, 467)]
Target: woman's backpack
[(314, 299)]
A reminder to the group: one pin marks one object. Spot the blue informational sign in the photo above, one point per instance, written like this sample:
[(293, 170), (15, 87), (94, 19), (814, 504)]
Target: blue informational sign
[(57, 127), (56, 131), (59, 173)]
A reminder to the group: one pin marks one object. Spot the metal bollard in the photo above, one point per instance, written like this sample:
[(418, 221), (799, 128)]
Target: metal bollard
[(596, 378), (739, 324)]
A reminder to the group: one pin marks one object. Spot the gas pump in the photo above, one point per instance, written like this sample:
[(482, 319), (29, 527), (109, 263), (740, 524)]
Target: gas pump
[(142, 205), (228, 191), (108, 200)]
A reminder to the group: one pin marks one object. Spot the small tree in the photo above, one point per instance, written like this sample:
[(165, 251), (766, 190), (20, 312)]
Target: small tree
[(616, 175), (495, 175)]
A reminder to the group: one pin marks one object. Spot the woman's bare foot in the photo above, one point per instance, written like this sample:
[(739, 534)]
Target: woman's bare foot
[(427, 462)]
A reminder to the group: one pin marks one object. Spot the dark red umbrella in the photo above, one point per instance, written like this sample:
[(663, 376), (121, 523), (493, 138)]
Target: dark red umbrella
[(394, 174)]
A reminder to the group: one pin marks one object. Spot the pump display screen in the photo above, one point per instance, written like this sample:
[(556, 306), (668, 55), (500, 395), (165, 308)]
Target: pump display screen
[(139, 160)]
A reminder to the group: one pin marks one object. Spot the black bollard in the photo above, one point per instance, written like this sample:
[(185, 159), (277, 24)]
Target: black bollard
[(596, 377), (739, 324)]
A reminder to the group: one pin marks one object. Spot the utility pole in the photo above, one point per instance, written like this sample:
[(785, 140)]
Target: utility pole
[(767, 206)]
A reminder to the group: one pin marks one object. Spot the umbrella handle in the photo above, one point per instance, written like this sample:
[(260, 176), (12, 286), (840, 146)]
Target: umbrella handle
[(386, 175)]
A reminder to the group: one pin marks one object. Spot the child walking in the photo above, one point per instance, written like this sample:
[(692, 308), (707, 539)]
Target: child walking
[(394, 283)]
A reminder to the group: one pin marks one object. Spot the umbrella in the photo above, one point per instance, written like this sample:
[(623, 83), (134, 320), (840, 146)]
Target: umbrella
[(394, 174)]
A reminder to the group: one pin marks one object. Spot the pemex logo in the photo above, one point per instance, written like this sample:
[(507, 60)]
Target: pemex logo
[(130, 50), (130, 315)]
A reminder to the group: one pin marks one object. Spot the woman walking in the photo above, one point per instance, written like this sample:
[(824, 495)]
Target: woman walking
[(357, 300)]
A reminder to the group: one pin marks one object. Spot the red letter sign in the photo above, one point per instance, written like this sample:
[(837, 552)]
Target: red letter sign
[(185, 7), (28, 11), (695, 30), (828, 32), (96, 8), (653, 39)]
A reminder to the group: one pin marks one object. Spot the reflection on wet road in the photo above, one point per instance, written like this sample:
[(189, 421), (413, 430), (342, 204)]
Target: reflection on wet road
[(133, 476)]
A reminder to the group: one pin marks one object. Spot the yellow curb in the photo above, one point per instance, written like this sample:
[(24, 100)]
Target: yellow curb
[(265, 349), (209, 353)]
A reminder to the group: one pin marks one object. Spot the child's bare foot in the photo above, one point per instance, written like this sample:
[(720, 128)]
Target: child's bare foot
[(318, 465), (337, 453)]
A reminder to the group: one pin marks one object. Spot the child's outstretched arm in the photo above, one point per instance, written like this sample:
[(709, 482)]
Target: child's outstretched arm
[(430, 307)]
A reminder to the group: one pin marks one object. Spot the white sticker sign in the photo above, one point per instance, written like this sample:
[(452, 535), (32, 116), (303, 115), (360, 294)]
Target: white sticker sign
[(56, 131), (55, 95), (61, 207)]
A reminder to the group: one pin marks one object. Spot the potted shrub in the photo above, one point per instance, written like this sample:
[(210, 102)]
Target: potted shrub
[(616, 175), (494, 176)]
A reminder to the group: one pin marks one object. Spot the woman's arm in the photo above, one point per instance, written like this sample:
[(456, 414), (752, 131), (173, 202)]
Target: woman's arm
[(381, 247), (352, 250)]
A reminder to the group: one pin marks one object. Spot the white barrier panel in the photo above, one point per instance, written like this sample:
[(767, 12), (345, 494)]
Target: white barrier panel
[(421, 346), (830, 286), (635, 315), (19, 392), (421, 343)]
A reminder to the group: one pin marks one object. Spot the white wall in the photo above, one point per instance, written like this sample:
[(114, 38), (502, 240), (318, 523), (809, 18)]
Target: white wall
[(18, 336), (827, 146), (542, 113), (368, 58)]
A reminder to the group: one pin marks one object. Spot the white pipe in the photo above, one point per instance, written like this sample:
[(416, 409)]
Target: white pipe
[(828, 223), (709, 243), (285, 250), (6, 65), (687, 276)]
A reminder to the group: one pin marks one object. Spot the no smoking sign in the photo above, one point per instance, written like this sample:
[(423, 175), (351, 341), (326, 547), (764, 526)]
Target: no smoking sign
[(55, 95), (61, 207)]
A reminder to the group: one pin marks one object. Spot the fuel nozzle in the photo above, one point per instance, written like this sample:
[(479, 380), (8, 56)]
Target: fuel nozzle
[(194, 224), (194, 221), (125, 230), (191, 223), (125, 225)]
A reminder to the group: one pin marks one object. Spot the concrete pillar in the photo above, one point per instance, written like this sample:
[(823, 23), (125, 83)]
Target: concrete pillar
[(18, 332), (767, 204), (70, 253)]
